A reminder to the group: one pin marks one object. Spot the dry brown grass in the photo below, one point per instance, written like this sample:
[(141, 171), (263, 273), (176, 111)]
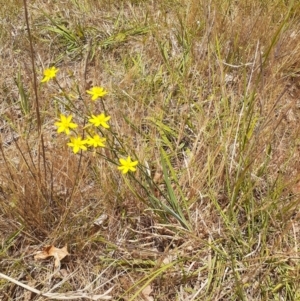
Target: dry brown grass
[(205, 91)]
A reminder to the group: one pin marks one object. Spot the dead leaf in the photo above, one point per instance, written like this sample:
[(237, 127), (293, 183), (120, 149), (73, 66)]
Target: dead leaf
[(146, 293), (49, 251)]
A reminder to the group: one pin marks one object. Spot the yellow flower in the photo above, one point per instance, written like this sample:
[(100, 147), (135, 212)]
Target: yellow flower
[(95, 141), (127, 165), (100, 120), (77, 143), (96, 92), (65, 124), (49, 74)]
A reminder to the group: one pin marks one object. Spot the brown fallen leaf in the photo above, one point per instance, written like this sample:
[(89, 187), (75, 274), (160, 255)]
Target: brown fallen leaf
[(49, 251)]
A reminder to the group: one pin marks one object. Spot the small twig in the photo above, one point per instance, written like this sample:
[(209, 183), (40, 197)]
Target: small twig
[(37, 105), (57, 296), (86, 61), (237, 66), (257, 247)]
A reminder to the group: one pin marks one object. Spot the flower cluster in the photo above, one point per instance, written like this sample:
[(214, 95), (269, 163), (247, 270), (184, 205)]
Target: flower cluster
[(92, 139), (77, 142)]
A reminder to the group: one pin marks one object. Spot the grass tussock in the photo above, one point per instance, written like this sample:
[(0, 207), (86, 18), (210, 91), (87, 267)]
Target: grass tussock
[(205, 96)]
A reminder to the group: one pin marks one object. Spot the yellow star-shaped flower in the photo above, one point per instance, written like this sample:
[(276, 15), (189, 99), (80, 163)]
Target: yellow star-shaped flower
[(96, 141), (127, 165), (96, 92), (99, 120), (77, 143), (65, 124), (49, 74)]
